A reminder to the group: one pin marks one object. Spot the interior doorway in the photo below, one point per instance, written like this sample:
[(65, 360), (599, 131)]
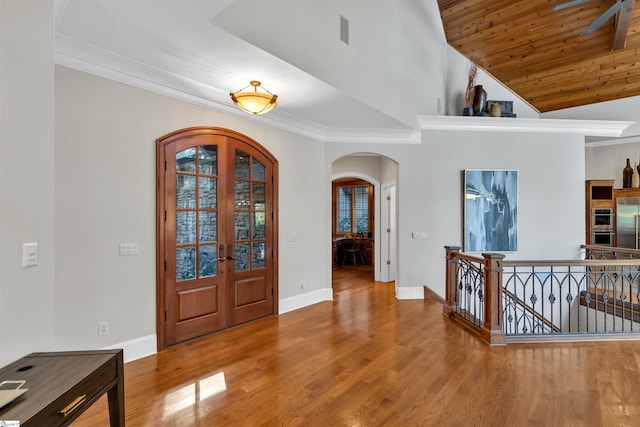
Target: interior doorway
[(382, 173)]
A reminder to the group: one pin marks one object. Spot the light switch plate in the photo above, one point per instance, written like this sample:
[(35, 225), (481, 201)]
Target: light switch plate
[(129, 248), (29, 254), (419, 235)]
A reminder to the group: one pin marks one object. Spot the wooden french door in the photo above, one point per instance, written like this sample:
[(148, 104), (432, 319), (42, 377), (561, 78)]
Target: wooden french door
[(216, 232)]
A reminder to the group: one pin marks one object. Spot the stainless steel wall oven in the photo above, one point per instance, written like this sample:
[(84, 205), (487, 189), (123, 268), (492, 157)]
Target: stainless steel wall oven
[(602, 227)]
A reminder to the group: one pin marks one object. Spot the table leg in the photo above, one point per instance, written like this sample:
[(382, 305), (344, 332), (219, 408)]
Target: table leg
[(115, 396)]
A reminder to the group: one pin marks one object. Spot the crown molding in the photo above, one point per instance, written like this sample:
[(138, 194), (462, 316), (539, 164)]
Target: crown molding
[(84, 57), (381, 136), (605, 128), (617, 141)]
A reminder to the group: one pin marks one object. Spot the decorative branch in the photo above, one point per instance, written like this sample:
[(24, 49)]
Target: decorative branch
[(471, 82)]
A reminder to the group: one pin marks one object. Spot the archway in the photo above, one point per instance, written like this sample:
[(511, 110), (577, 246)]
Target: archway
[(381, 172)]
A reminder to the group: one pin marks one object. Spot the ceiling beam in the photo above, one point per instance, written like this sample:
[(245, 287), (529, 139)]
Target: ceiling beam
[(621, 26)]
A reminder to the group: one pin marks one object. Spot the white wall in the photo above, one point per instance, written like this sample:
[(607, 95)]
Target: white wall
[(551, 196), (26, 176), (105, 194), (366, 164), (607, 162), (389, 171)]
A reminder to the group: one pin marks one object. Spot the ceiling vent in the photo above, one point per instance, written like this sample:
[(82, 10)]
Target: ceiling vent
[(344, 30)]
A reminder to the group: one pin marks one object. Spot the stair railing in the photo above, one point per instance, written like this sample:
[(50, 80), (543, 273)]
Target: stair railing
[(505, 301), (473, 294)]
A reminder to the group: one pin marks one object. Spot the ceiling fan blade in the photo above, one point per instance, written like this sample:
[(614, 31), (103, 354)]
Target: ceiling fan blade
[(604, 17), (568, 4)]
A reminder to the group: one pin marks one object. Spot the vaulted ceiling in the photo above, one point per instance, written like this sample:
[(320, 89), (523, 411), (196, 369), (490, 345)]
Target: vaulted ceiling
[(372, 89), (541, 54)]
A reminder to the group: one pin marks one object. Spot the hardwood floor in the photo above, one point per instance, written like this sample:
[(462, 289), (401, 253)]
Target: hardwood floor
[(367, 359)]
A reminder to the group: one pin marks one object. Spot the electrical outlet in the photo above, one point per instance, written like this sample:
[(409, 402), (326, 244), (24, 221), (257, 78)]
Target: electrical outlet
[(103, 328)]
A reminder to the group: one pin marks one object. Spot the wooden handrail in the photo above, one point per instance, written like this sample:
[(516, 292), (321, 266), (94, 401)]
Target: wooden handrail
[(611, 249), (582, 262), (465, 257)]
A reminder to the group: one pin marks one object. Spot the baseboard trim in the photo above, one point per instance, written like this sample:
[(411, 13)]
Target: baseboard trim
[(137, 348), (303, 300), (409, 292), (431, 294)]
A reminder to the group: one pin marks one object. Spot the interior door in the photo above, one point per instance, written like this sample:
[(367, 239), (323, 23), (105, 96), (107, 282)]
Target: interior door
[(216, 233), (249, 240)]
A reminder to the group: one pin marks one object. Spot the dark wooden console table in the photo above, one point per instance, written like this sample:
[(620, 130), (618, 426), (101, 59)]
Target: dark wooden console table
[(62, 385)]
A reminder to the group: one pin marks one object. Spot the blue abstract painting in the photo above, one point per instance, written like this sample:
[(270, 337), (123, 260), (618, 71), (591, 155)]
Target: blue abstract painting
[(490, 210)]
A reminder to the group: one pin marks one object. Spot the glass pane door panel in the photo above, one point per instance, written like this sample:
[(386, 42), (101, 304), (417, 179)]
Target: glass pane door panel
[(259, 225), (186, 263), (242, 257), (258, 170), (185, 227), (242, 195), (208, 160), (362, 209), (344, 209), (208, 188), (242, 225), (207, 226), (207, 261), (257, 259), (242, 164), (185, 191), (258, 195), (186, 160)]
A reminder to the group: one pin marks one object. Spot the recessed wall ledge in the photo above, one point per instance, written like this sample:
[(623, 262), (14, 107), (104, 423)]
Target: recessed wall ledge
[(608, 128)]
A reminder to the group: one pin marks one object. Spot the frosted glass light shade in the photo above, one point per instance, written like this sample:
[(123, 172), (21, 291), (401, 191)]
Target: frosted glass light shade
[(255, 102)]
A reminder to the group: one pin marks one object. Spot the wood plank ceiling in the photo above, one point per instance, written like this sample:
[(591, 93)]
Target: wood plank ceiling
[(542, 55)]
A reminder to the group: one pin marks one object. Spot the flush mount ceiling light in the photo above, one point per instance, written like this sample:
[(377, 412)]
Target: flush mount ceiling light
[(255, 102)]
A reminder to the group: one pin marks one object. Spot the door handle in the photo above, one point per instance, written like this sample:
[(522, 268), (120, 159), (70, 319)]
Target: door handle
[(221, 258), (229, 257)]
